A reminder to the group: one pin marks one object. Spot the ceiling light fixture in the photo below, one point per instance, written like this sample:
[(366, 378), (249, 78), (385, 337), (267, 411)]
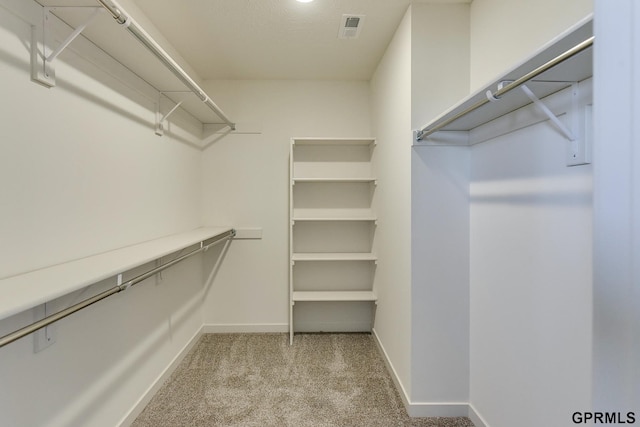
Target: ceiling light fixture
[(304, 1)]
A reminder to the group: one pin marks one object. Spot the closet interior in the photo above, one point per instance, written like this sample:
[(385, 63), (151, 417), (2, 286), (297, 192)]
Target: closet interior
[(464, 246)]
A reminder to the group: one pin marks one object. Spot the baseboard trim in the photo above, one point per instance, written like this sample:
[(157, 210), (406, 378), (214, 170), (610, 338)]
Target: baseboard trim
[(439, 409), (422, 409), (246, 328), (394, 375), (144, 400), (476, 418)]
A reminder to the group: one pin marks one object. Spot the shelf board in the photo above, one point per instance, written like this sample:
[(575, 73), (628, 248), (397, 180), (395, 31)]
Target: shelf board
[(322, 218), (334, 296), (116, 44), (575, 69), (337, 179), (334, 256), (300, 214), (334, 141), (28, 290)]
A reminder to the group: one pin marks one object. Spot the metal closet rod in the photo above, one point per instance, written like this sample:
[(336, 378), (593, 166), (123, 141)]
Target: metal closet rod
[(125, 20), (426, 131), (29, 329)]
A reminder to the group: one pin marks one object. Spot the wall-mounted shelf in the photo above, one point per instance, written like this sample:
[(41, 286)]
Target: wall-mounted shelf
[(478, 109), (115, 32), (331, 180), (28, 290), (337, 296), (334, 141), (333, 215), (334, 256)]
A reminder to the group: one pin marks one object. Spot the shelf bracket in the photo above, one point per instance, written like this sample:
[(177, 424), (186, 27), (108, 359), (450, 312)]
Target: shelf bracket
[(42, 55), (46, 336), (542, 107), (160, 119), (577, 150)]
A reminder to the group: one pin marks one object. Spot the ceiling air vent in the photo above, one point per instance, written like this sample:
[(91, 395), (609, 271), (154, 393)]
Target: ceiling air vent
[(350, 26)]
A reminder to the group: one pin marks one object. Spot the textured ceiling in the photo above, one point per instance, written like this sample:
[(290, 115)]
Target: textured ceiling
[(277, 39)]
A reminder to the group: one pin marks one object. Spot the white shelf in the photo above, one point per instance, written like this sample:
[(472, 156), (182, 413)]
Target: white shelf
[(338, 296), (333, 215), (318, 219), (334, 141), (575, 69), (332, 180), (334, 256), (115, 43), (25, 291), (328, 159)]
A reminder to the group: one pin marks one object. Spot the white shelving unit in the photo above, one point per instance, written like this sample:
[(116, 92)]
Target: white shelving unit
[(331, 223)]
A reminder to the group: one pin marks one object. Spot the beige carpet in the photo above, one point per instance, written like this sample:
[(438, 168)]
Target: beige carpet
[(323, 380)]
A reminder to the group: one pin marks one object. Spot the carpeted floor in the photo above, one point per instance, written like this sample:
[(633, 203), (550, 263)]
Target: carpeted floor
[(258, 380)]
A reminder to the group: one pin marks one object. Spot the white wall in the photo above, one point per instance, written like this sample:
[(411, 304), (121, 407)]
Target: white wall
[(531, 230), (616, 352), (391, 122), (422, 319), (81, 161), (505, 32), (440, 288), (530, 280), (439, 217), (440, 49), (246, 182), (82, 172)]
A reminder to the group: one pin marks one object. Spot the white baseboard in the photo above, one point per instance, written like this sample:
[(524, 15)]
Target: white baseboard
[(394, 375), (139, 406), (476, 418), (423, 409), (246, 328), (438, 409)]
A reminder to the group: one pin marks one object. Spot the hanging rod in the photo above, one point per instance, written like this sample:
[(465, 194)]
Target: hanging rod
[(126, 21), (426, 131), (16, 335)]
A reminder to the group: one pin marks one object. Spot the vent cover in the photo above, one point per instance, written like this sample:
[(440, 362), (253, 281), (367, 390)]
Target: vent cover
[(350, 26)]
